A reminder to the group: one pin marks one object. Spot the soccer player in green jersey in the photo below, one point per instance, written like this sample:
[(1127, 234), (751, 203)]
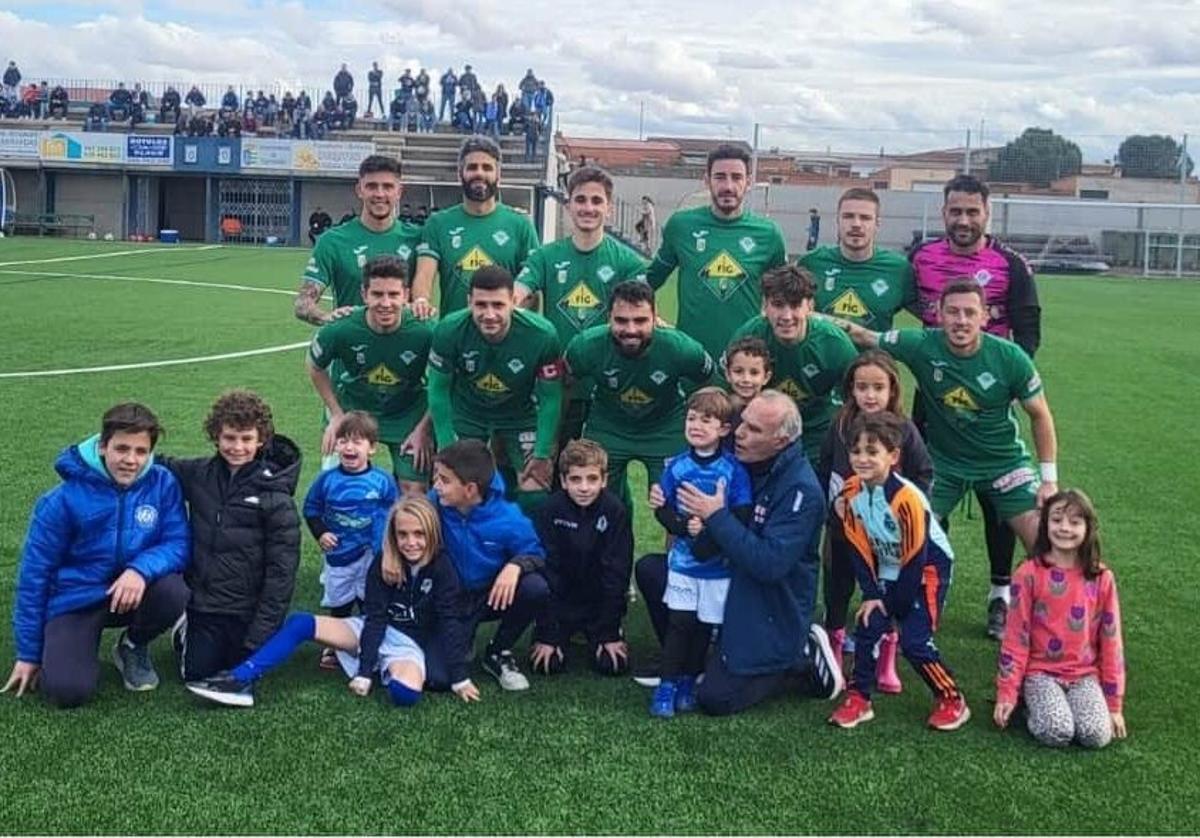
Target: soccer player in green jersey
[(382, 351), (856, 280), (341, 252), (481, 231), (497, 370), (574, 276), (809, 356), (721, 252), (968, 381), (640, 371)]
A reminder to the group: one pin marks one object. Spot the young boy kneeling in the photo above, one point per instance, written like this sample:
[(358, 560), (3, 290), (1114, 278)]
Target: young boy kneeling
[(494, 549), (585, 531)]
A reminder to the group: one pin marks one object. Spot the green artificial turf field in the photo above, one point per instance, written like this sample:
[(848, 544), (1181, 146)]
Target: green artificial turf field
[(1120, 360)]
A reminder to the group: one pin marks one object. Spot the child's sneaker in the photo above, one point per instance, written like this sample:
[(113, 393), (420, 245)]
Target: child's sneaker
[(837, 642), (225, 689), (133, 662), (826, 670), (950, 713), (662, 703), (886, 675), (329, 660), (997, 616), (503, 667), (855, 710), (685, 695)]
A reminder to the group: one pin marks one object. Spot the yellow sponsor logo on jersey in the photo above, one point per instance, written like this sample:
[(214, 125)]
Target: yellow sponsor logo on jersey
[(790, 388), (636, 397), (960, 399), (475, 259), (580, 303), (849, 305), (491, 384), (723, 266), (383, 377)]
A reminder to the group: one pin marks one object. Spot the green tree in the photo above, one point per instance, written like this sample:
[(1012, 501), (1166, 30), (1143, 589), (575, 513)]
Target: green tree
[(1153, 156), (1038, 156)]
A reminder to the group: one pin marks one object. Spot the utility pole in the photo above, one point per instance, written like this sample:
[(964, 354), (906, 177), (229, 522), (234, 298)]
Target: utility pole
[(967, 154), (641, 117), (754, 159)]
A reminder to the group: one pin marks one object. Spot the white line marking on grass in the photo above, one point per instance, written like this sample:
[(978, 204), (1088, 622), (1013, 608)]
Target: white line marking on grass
[(155, 280), (110, 255), (174, 362)]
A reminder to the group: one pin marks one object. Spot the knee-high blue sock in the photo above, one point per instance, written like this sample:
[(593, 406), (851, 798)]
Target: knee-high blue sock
[(297, 629), (402, 696)]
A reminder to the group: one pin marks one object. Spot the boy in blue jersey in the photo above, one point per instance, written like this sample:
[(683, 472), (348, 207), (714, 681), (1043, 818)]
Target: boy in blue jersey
[(346, 510), (495, 550), (697, 578), (902, 561)]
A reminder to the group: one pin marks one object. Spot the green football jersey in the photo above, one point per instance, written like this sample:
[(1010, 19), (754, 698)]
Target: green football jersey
[(869, 293), (463, 243), (382, 373), (721, 263), (971, 427), (639, 402), (341, 252), (493, 383), (575, 285), (811, 372)]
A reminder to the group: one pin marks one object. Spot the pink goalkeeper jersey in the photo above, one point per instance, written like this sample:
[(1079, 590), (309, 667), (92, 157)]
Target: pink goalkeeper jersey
[(1064, 626), (995, 267)]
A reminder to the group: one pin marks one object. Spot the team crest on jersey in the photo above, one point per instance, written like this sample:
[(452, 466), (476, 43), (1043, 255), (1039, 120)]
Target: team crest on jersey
[(701, 241), (611, 377), (880, 287), (426, 585), (636, 397), (724, 275), (500, 238), (986, 380), (850, 304), (372, 494), (404, 252), (470, 361), (491, 384), (983, 276), (602, 523), (580, 305), (747, 244), (145, 516), (516, 365), (960, 399), (381, 376), (561, 268), (790, 388), (658, 377), (455, 237), (605, 273), (811, 370), (937, 375), (360, 255), (474, 259), (408, 356)]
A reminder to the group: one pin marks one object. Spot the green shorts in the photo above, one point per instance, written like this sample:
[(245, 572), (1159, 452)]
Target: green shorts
[(516, 444), (1012, 492)]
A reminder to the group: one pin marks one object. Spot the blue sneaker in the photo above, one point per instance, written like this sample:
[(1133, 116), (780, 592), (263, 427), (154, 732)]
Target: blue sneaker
[(685, 696), (662, 704)]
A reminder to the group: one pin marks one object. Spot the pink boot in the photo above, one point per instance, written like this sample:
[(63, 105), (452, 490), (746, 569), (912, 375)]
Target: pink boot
[(886, 677), (837, 639)]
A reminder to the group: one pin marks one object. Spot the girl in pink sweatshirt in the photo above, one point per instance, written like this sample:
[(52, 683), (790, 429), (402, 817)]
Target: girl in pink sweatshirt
[(1062, 650)]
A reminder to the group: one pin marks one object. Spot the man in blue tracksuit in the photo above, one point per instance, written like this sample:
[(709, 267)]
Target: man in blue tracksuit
[(106, 547), (768, 633), (495, 550)]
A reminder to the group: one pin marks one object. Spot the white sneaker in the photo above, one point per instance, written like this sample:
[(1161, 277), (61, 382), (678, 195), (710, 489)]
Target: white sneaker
[(503, 667)]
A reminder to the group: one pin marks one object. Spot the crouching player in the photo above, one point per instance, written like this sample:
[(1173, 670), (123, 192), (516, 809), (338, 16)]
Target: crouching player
[(410, 616), (584, 529), (902, 561)]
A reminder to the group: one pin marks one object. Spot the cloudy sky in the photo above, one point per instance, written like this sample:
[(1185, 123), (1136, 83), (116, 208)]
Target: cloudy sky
[(854, 75)]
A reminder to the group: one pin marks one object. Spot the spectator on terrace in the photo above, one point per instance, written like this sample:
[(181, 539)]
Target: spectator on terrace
[(12, 78), (195, 99), (249, 118), (528, 87), (349, 111), (375, 89), (343, 83), (421, 86), (230, 124), (60, 102), (272, 111), (229, 102), (302, 126), (29, 102), (42, 102), (462, 113), (120, 102), (139, 105), (543, 104), (396, 113), (533, 132), (492, 118), (328, 102), (260, 107), (479, 103), (168, 106), (467, 80), (449, 83), (501, 98), (426, 117), (320, 122), (288, 107), (97, 118), (517, 114)]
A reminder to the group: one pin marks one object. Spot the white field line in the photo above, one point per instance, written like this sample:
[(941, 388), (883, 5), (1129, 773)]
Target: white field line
[(173, 362), (153, 279), (85, 256)]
